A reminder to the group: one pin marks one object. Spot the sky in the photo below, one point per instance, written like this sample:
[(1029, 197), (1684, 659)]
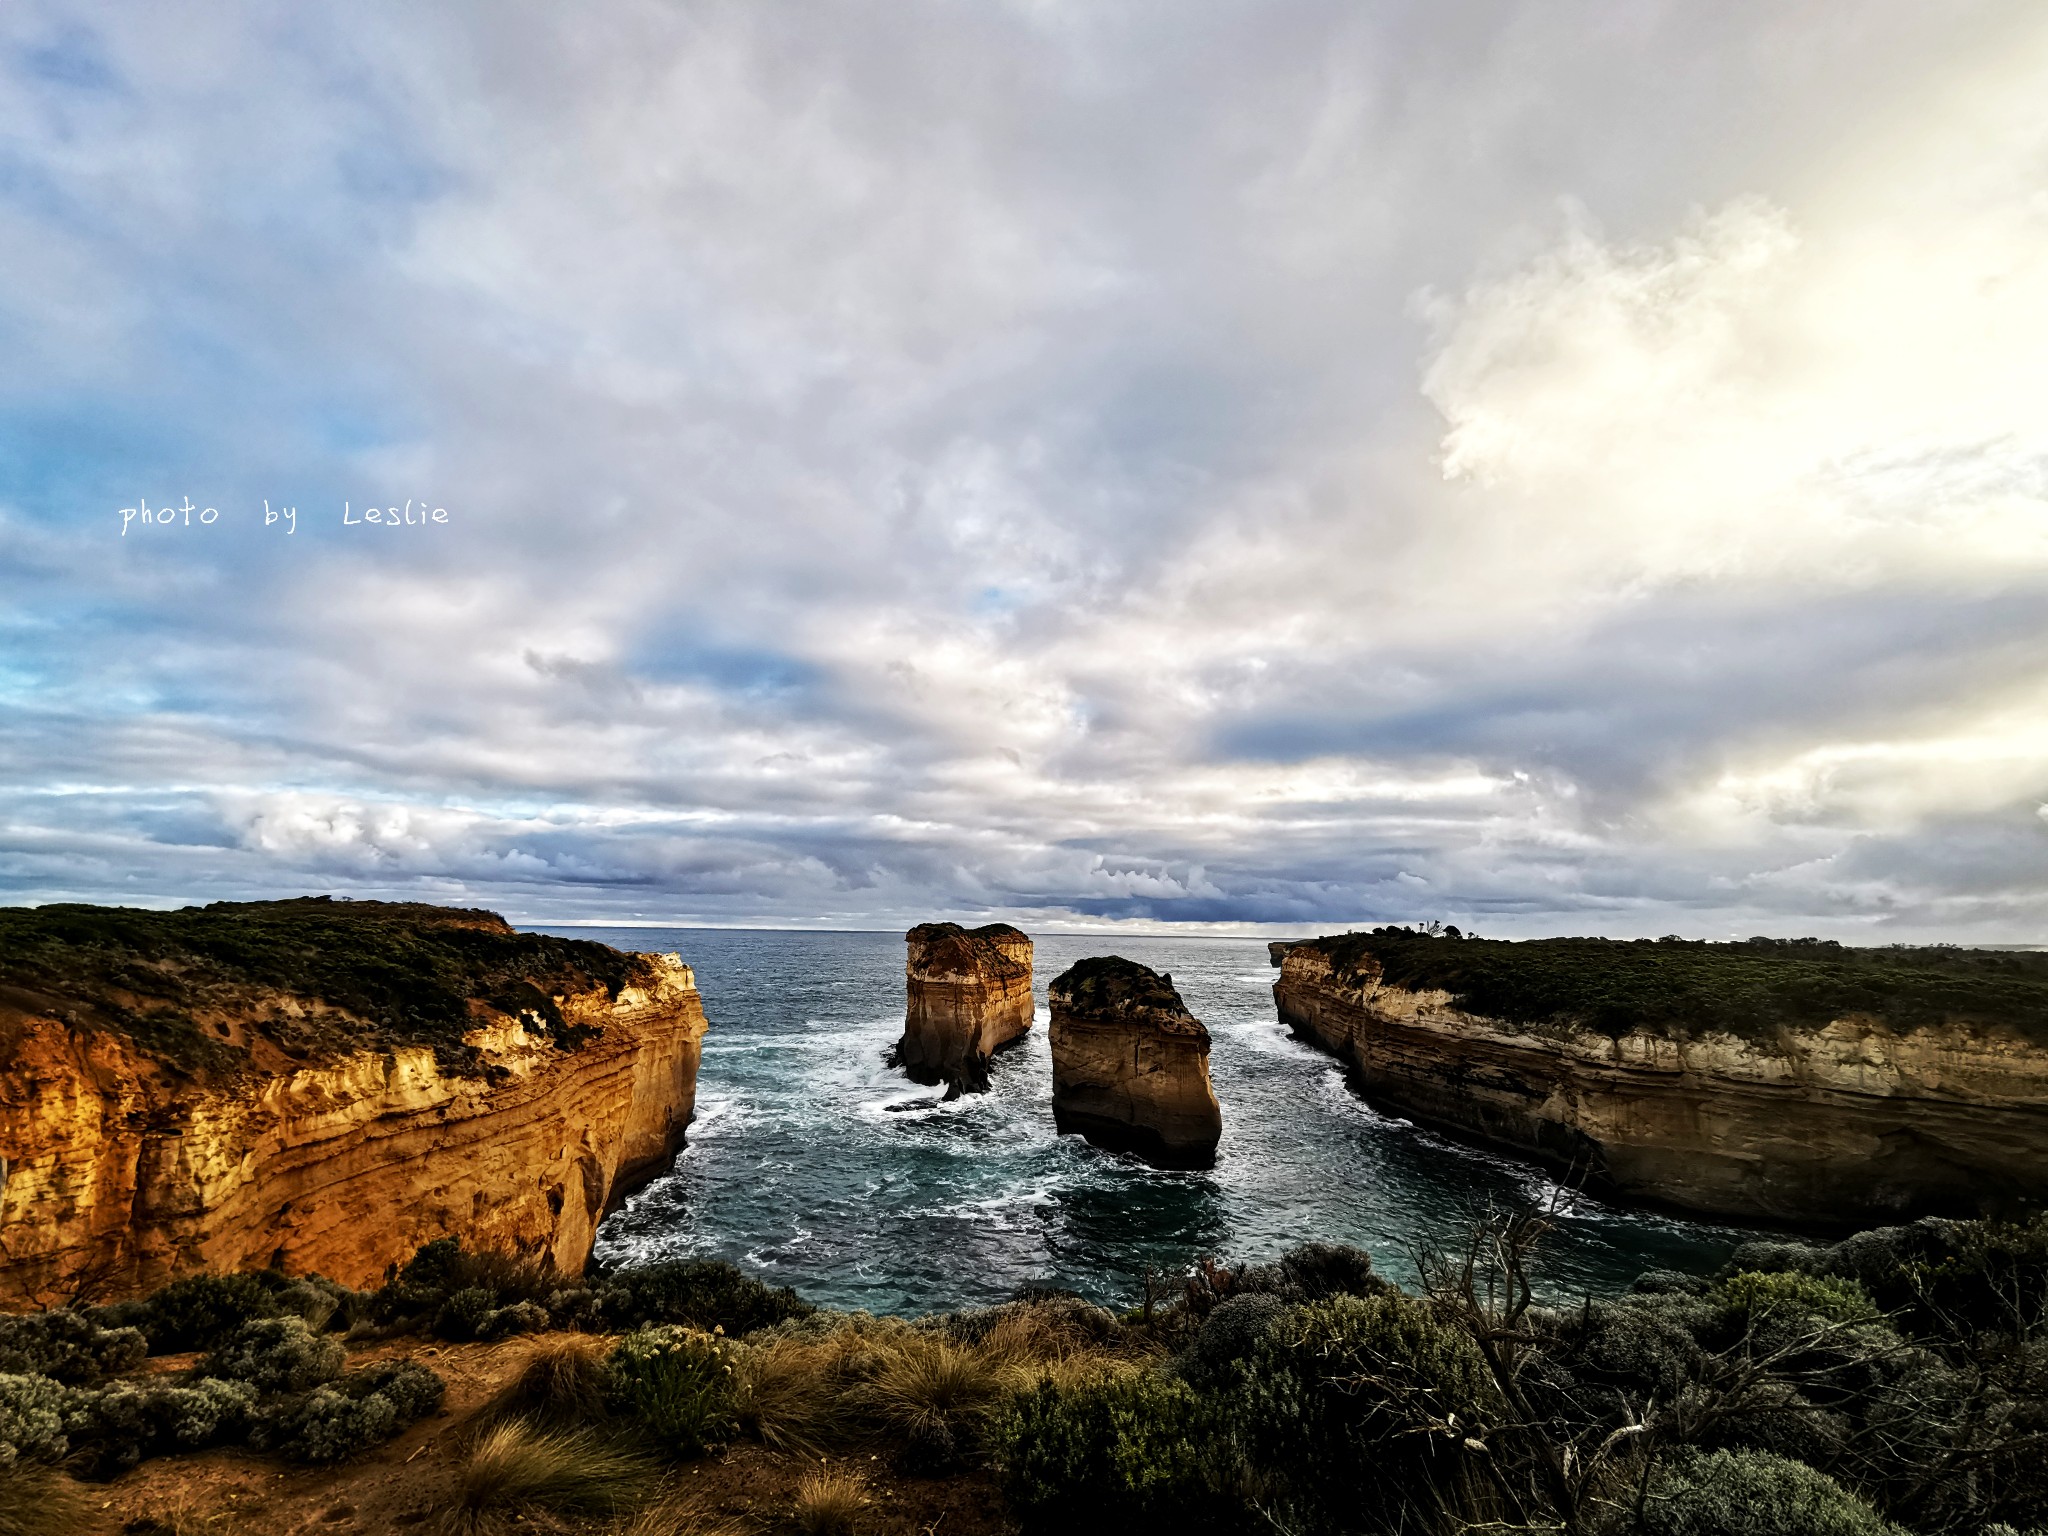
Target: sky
[(1577, 466)]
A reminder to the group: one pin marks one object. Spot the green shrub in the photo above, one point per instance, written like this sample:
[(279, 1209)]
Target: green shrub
[(520, 1317), (344, 1418), (197, 1311), (1318, 1271), (34, 1414), (276, 1354), (697, 1293), (1749, 1493), (1369, 1413), (1114, 1454), (462, 1316), (68, 1347), (1231, 1332), (574, 1306), (117, 1426), (1788, 1291), (679, 1384)]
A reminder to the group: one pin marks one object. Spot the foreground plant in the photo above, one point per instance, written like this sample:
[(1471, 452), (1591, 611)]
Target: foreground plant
[(678, 1384), (828, 1503), (514, 1467)]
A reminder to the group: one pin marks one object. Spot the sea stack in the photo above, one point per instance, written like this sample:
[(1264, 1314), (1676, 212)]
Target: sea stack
[(1130, 1064), (970, 995)]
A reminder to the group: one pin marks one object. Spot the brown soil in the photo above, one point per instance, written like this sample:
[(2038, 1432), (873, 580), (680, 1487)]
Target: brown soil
[(746, 1489)]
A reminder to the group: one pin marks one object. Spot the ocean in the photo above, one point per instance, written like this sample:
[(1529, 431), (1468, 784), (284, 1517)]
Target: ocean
[(805, 1167)]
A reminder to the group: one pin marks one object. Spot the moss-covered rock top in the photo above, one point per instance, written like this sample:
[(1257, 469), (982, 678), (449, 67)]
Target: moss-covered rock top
[(940, 946), (1111, 987), (318, 978), (927, 933), (1753, 989)]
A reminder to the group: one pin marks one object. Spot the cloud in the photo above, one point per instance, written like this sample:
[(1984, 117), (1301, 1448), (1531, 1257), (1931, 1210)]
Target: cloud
[(1221, 464)]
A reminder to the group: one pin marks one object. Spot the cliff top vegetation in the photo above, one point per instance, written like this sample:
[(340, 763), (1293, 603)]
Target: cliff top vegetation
[(406, 971), (1110, 984), (927, 932), (1678, 986)]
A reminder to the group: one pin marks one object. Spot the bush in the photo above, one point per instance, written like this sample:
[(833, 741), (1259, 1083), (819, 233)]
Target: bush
[(120, 1425), (68, 1347), (462, 1316), (1231, 1331), (1318, 1271), (520, 1317), (1750, 1493), (457, 1291), (276, 1354), (34, 1413), (334, 1422), (1369, 1409), (697, 1293), (1800, 1295), (678, 1384), (198, 1311), (574, 1307), (1115, 1454)]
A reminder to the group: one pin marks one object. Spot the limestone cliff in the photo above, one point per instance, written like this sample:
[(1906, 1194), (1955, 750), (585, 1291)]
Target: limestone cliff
[(1745, 1081), (1130, 1064), (970, 995), (321, 1085)]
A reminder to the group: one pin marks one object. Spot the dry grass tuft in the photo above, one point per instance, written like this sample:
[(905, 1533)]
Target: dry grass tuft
[(514, 1466), (675, 1517), (37, 1500), (828, 1504), (932, 1397), (789, 1396), (561, 1384)]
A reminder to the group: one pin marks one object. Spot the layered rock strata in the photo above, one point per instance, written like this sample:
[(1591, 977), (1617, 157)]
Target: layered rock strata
[(970, 995), (1130, 1064), (323, 1087), (1848, 1120)]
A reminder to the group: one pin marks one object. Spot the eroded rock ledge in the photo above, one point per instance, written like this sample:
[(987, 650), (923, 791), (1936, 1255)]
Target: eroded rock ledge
[(321, 1085), (1130, 1064), (970, 995), (1735, 1080)]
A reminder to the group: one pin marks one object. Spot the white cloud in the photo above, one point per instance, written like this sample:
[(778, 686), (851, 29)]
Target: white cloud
[(954, 458)]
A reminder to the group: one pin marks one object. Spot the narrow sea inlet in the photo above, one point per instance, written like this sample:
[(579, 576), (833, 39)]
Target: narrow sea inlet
[(814, 1165)]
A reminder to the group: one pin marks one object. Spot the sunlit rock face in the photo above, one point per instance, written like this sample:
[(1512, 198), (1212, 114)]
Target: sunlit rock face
[(969, 996), (1852, 1121), (323, 1087), (1130, 1064)]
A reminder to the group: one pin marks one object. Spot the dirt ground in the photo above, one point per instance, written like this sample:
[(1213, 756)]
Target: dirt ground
[(394, 1488)]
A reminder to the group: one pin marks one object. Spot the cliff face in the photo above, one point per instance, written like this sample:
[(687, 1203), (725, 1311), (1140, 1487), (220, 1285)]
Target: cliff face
[(1130, 1064), (167, 1103), (970, 995), (1851, 1119)]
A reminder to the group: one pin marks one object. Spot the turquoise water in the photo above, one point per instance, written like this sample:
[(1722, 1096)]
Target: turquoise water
[(798, 1168)]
